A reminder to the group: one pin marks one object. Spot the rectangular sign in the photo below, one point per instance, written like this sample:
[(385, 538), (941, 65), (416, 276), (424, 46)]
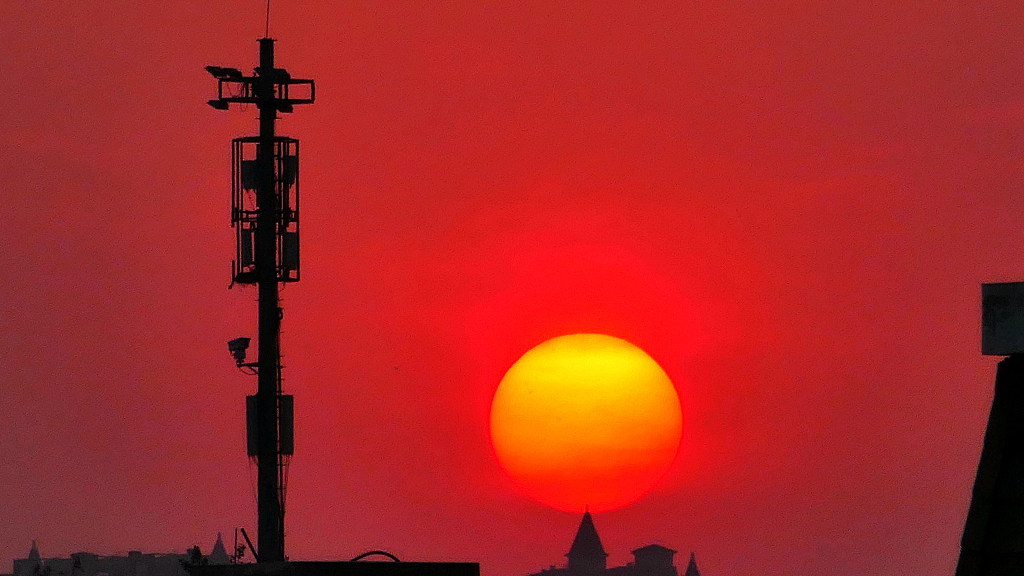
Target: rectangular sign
[(1002, 318)]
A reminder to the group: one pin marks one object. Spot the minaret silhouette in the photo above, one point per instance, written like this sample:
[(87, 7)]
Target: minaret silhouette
[(586, 553), (691, 568)]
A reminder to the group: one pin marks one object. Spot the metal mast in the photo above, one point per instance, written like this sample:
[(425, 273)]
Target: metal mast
[(265, 215)]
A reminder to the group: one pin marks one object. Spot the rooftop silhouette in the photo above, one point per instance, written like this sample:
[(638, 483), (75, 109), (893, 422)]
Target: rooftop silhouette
[(586, 553), (587, 557), (135, 563)]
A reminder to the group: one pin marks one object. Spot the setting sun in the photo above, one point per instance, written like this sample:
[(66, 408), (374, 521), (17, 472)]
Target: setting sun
[(586, 420)]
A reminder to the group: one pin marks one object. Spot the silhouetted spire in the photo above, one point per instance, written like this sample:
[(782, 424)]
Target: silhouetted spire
[(33, 553), (586, 553), (218, 555), (691, 568)]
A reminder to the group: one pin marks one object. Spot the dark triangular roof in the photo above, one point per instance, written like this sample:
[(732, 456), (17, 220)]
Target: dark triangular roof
[(219, 555), (33, 553), (691, 568), (587, 544)]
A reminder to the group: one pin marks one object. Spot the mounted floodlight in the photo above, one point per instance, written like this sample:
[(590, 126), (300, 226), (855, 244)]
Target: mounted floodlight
[(1002, 319), (218, 104), (224, 73), (237, 347)]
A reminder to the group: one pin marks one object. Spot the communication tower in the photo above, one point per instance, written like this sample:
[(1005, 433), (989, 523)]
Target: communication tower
[(265, 215)]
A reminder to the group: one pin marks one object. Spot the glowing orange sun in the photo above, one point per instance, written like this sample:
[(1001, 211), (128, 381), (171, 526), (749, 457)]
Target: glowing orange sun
[(586, 420)]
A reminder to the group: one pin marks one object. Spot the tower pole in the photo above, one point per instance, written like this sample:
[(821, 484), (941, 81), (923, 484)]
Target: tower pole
[(267, 252), (270, 537)]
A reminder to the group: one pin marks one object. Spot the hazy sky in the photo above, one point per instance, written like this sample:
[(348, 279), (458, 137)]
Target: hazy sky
[(789, 205)]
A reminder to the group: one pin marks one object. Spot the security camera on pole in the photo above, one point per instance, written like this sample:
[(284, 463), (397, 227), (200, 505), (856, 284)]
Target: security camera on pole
[(265, 215)]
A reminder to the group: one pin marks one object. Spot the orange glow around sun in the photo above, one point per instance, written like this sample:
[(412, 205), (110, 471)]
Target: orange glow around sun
[(586, 420)]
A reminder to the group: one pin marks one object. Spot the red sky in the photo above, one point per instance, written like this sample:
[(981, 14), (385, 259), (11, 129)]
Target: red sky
[(790, 205)]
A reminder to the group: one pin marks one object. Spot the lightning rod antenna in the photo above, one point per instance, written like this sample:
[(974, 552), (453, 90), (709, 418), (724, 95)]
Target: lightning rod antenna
[(266, 32)]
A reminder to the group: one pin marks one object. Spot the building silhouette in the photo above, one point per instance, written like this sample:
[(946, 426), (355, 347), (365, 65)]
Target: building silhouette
[(135, 563), (586, 557)]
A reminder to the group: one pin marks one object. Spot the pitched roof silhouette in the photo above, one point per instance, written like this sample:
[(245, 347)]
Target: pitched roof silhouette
[(219, 555), (691, 568), (586, 544)]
